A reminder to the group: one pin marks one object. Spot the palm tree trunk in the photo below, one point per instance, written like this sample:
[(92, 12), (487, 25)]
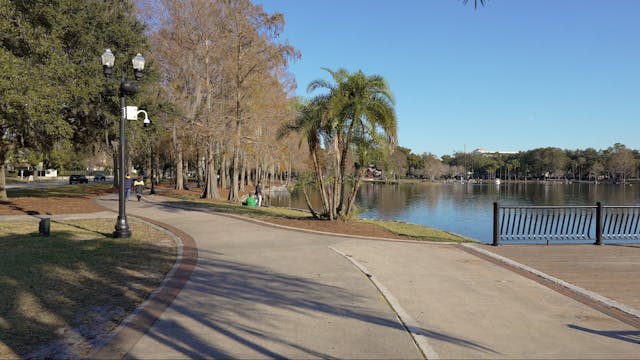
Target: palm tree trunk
[(337, 180), (320, 179), (354, 192), (343, 162), (306, 199)]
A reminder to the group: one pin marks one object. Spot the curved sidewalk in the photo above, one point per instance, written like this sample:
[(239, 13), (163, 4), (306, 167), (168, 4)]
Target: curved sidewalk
[(262, 292)]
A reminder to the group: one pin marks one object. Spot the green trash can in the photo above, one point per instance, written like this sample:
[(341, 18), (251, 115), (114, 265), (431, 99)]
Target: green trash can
[(251, 201)]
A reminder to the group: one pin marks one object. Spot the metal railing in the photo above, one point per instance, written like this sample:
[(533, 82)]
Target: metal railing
[(565, 223)]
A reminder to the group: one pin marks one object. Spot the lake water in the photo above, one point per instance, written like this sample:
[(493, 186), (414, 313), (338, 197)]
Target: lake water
[(466, 209)]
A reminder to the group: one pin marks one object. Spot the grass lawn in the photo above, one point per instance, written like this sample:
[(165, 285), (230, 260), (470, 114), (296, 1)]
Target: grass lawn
[(405, 230), (418, 232), (60, 287)]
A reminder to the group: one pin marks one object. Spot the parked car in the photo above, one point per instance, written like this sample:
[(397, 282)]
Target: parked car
[(99, 177), (78, 179)]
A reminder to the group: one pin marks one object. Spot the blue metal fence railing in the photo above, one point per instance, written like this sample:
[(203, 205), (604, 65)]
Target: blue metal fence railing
[(565, 223), (621, 223)]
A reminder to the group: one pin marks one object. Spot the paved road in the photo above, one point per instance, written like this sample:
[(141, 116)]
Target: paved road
[(263, 292)]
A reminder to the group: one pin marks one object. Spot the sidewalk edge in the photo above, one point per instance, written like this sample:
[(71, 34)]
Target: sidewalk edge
[(137, 324)]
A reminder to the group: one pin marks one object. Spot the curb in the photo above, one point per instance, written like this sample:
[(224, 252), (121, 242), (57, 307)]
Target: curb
[(410, 325), (138, 323)]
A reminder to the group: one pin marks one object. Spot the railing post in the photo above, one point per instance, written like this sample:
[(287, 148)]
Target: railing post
[(598, 223), (496, 225)]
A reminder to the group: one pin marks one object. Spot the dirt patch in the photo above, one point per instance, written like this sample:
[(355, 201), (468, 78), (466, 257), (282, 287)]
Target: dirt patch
[(339, 227)]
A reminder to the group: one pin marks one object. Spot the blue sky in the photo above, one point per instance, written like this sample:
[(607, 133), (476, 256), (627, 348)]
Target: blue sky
[(510, 76)]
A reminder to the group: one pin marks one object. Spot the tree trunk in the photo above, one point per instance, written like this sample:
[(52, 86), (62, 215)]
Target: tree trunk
[(198, 168), (178, 146), (272, 174), (179, 171), (343, 163), (288, 172), (337, 180), (223, 172), (3, 179), (320, 180), (306, 200), (242, 173), (211, 181), (235, 167), (354, 192), (185, 173)]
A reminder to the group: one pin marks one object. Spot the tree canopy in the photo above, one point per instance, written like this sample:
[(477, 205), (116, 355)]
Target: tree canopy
[(51, 77)]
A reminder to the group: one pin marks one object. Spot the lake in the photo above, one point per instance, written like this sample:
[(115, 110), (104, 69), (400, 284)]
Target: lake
[(466, 209)]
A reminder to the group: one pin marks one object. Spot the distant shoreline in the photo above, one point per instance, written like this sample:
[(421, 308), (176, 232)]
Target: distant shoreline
[(485, 181)]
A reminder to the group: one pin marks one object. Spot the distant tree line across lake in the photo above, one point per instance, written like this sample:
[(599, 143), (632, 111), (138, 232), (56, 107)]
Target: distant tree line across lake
[(614, 164)]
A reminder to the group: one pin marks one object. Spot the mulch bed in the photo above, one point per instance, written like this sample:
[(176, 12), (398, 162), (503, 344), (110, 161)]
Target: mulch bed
[(338, 227), (48, 206)]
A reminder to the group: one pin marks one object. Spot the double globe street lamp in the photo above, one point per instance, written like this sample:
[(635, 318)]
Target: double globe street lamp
[(126, 88)]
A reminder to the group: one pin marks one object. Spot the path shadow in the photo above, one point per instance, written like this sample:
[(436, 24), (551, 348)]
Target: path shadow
[(15, 207), (236, 301), (241, 304), (632, 336)]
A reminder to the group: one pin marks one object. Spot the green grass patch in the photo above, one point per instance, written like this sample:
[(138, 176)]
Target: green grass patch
[(244, 210), (61, 191), (66, 280), (416, 231)]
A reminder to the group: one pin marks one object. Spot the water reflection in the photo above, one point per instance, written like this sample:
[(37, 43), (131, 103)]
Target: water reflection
[(467, 208)]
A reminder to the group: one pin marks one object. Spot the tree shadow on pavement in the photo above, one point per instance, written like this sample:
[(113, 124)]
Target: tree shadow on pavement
[(628, 336), (241, 310)]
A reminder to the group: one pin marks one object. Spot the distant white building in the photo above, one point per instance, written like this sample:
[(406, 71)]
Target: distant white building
[(491, 152)]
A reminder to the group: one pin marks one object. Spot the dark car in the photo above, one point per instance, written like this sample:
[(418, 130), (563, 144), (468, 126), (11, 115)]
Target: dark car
[(78, 179), (99, 177)]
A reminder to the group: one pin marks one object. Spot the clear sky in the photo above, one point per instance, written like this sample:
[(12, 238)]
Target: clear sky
[(512, 75)]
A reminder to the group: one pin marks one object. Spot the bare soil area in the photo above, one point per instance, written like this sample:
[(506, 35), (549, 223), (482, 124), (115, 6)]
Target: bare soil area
[(339, 227), (48, 206)]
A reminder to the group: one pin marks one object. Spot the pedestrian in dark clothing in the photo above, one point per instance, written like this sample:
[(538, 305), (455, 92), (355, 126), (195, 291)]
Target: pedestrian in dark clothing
[(259, 193), (128, 184)]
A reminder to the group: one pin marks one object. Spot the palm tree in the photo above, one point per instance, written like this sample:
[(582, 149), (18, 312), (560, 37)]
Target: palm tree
[(311, 126), (355, 117), (359, 107), (475, 2)]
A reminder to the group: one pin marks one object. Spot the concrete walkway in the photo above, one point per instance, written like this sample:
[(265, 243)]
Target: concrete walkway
[(260, 291)]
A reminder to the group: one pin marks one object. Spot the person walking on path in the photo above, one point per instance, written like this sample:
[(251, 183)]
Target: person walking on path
[(138, 184), (128, 184), (259, 194)]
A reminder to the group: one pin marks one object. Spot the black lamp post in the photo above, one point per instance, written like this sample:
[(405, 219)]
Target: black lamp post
[(126, 88)]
